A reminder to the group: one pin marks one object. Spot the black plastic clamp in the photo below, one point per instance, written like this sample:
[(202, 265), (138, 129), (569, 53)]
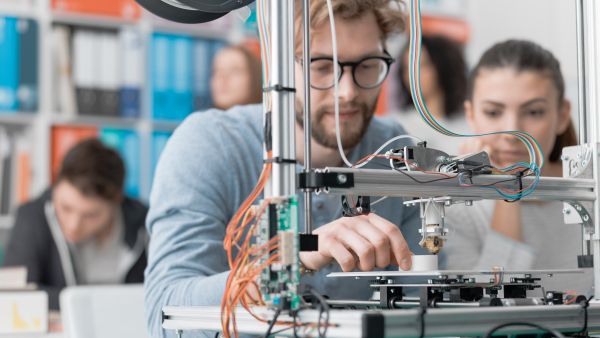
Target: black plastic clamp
[(314, 180)]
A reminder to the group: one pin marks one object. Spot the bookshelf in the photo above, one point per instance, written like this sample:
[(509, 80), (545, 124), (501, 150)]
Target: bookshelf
[(36, 130)]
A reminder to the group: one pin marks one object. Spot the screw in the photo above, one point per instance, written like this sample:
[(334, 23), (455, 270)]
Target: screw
[(566, 211), (341, 178), (565, 158), (585, 218)]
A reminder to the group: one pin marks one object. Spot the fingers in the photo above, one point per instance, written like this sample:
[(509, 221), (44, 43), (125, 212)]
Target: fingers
[(343, 256), (398, 244), (363, 242), (377, 238), (364, 250)]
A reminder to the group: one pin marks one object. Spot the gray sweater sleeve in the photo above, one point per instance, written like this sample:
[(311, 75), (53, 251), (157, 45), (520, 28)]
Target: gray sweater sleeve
[(195, 192), (473, 245)]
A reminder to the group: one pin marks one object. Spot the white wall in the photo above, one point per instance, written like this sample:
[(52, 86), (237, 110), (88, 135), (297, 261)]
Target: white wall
[(550, 23)]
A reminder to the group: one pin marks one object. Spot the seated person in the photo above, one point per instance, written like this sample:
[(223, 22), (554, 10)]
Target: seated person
[(236, 78), (517, 85), (82, 230), (214, 159), (443, 84)]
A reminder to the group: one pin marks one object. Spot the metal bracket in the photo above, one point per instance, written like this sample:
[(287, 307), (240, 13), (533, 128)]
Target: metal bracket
[(576, 213), (578, 161), (324, 180), (362, 206)]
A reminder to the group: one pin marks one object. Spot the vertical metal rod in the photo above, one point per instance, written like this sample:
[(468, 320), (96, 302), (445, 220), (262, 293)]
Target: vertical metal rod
[(582, 105), (308, 225), (590, 10), (283, 178)]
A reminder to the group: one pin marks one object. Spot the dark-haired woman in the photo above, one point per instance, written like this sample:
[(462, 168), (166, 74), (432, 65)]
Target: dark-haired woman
[(517, 85), (83, 230), (443, 84)]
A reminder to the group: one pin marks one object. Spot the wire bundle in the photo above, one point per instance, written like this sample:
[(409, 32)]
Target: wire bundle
[(246, 266), (265, 48), (536, 155)]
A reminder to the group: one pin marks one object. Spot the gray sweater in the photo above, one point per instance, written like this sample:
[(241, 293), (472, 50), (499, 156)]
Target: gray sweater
[(207, 169), (548, 242)]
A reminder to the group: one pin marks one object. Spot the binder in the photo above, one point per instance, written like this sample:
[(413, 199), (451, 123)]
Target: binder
[(127, 9), (86, 48), (160, 61), (203, 55), (9, 59), (183, 76), (66, 102), (28, 93), (63, 139), (127, 143), (159, 142), (107, 74), (131, 52)]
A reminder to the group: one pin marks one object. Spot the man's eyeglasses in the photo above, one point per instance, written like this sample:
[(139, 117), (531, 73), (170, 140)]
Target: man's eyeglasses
[(367, 73)]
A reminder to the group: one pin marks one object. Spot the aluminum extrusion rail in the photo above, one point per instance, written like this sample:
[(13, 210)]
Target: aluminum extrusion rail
[(378, 182), (397, 323)]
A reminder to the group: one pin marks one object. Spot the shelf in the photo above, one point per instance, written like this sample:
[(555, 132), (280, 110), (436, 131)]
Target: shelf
[(20, 11), (18, 119), (96, 120), (91, 20)]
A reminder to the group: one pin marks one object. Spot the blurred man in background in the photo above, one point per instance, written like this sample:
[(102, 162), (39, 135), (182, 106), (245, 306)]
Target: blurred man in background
[(82, 230)]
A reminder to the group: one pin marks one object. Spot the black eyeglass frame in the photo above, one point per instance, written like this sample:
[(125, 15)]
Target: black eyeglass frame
[(388, 59)]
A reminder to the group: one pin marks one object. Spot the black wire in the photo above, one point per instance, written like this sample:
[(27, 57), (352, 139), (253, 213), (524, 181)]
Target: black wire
[(286, 329), (585, 304), (520, 178), (295, 327), (422, 313), (323, 308), (272, 323), (537, 326)]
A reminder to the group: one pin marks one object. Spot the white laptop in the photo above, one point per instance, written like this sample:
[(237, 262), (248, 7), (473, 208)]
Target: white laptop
[(103, 311)]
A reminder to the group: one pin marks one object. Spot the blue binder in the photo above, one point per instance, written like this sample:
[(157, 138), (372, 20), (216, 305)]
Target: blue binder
[(130, 101), (127, 143), (132, 78), (159, 72), (182, 77), (203, 55), (159, 141), (9, 59), (28, 92)]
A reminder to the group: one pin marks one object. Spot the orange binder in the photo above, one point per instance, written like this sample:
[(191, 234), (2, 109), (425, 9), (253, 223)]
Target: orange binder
[(63, 139), (127, 9)]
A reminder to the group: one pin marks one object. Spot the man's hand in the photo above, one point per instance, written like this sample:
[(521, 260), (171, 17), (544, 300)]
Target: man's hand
[(363, 242)]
